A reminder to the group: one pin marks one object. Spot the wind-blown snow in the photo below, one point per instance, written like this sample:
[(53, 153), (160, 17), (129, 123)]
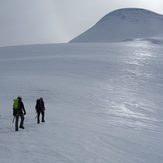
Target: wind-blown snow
[(122, 24), (103, 103)]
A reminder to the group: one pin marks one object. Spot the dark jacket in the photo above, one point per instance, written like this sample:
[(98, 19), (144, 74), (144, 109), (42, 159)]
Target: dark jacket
[(40, 107), (22, 108)]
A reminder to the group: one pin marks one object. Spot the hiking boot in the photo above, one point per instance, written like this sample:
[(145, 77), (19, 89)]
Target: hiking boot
[(22, 127), (16, 129), (43, 120)]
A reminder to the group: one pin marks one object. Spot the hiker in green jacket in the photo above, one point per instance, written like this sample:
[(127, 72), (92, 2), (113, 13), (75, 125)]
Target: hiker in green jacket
[(18, 111)]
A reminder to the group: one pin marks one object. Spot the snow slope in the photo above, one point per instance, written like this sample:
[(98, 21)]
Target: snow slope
[(122, 24), (103, 103)]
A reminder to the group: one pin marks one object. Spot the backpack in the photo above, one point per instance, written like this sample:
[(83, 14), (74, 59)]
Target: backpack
[(16, 104)]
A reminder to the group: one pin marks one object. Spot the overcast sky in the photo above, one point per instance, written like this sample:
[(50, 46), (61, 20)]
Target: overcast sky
[(54, 21)]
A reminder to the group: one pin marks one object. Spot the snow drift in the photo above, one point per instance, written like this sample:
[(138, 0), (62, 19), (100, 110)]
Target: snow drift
[(103, 103), (124, 24)]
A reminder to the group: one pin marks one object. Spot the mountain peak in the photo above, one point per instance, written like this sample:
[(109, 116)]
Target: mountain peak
[(125, 23), (132, 11)]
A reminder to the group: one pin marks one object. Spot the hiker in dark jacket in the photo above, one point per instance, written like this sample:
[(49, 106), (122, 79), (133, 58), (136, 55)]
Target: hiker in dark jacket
[(19, 111), (40, 108)]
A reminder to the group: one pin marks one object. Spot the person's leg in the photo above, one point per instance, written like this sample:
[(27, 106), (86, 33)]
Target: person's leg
[(43, 115), (38, 117), (22, 121), (16, 122)]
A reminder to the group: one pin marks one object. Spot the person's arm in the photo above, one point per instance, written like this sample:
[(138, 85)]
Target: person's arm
[(14, 112), (23, 109), (43, 104)]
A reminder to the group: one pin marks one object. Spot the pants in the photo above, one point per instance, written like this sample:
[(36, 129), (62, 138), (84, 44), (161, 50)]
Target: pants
[(38, 116), (17, 121)]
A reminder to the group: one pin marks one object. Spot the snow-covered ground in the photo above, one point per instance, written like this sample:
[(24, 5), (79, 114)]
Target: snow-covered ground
[(104, 103)]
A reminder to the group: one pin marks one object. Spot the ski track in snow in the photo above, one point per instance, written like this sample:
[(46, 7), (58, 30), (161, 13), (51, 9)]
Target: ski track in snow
[(103, 103)]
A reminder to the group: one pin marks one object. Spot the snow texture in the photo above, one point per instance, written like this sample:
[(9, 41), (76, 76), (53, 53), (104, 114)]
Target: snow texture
[(103, 103), (122, 24)]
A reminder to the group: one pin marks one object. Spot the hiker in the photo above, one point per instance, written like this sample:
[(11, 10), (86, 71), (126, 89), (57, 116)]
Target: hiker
[(19, 111), (40, 109)]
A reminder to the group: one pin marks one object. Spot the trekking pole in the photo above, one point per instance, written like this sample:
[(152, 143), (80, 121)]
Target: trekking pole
[(13, 119)]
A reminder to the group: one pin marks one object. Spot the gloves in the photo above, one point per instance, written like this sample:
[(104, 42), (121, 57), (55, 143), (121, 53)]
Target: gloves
[(24, 113)]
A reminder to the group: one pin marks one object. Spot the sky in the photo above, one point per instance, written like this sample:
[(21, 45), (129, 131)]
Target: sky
[(57, 21)]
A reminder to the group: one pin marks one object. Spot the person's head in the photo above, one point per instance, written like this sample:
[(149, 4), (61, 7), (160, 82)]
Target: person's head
[(19, 98), (41, 98)]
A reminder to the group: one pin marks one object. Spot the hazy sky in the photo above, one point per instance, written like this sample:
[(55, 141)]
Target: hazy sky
[(53, 21)]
